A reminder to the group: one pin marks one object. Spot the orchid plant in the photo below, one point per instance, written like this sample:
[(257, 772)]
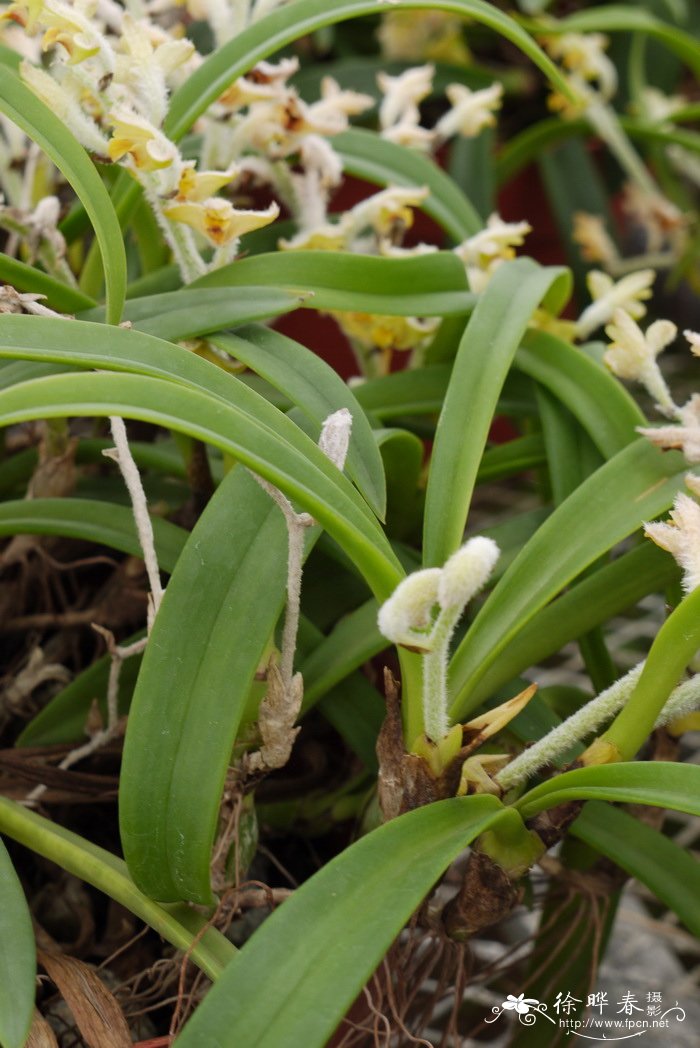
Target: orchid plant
[(346, 649)]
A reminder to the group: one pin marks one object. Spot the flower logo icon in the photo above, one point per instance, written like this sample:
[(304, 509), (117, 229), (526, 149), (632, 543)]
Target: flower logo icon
[(520, 1004)]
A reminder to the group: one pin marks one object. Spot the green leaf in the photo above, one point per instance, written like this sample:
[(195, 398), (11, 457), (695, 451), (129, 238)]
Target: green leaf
[(483, 360), (188, 314), (314, 954), (366, 155), (426, 285), (667, 870), (90, 520), (593, 601), (634, 486), (404, 393), (662, 784), (316, 388), (179, 925), (17, 958), (59, 296), (215, 621), (600, 403), (354, 640), (674, 646), (23, 107), (287, 24), (320, 488)]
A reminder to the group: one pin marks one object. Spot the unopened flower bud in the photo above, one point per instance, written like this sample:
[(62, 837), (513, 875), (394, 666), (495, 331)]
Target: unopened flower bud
[(408, 612), (467, 571)]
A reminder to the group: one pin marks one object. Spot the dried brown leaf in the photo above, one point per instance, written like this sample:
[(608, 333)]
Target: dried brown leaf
[(41, 1035), (98, 1016)]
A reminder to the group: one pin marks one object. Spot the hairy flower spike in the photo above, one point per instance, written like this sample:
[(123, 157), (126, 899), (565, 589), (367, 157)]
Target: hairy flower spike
[(681, 538), (629, 294), (632, 355), (407, 616), (467, 571), (422, 614)]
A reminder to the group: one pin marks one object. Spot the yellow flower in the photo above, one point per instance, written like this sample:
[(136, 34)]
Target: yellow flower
[(134, 136), (590, 234), (410, 36), (382, 332), (197, 186), (326, 237), (218, 220), (26, 13)]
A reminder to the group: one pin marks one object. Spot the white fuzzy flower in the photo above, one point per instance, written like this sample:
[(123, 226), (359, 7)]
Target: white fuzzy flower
[(681, 538), (471, 111), (584, 54), (693, 339), (407, 616), (335, 437), (494, 244), (467, 571), (608, 295), (632, 355), (403, 93), (684, 437)]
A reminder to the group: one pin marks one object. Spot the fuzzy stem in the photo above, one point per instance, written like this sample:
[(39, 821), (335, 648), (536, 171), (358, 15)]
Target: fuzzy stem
[(435, 665), (178, 238), (296, 525), (572, 730), (121, 454)]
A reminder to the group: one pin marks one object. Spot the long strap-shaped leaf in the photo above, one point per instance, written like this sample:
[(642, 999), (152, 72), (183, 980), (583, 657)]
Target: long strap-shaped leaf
[(668, 870), (634, 486), (366, 155), (599, 402), (425, 285), (483, 360), (23, 107), (662, 784), (674, 646), (188, 314), (180, 925), (315, 953), (93, 345), (595, 600), (92, 521), (305, 16), (59, 296), (318, 390), (307, 476), (217, 616), (17, 958)]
